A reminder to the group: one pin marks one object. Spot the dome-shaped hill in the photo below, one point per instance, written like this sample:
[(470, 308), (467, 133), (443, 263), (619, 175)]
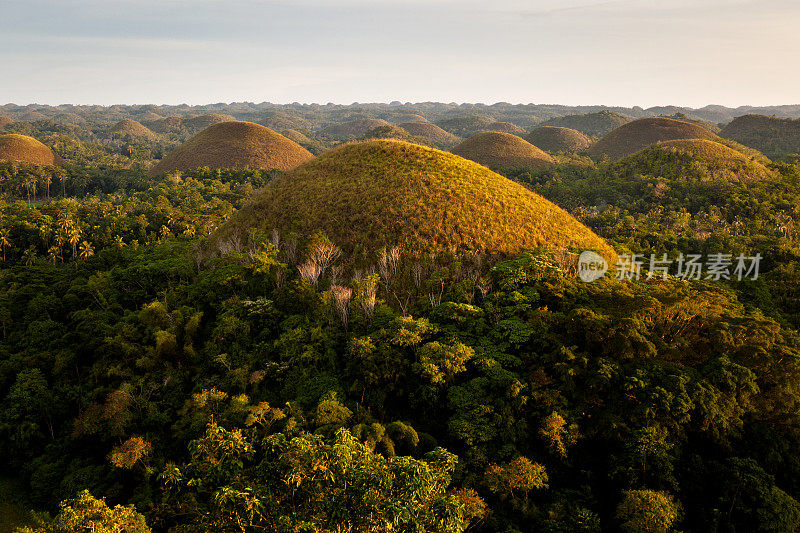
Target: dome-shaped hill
[(389, 132), (32, 116), (695, 160), (352, 128), (775, 137), (201, 122), (431, 133), (235, 145), (502, 150), (131, 128), (592, 124), (15, 147), (167, 125), (148, 116), (505, 127), (465, 126), (367, 195), (639, 134), (399, 118), (558, 139), (5, 121)]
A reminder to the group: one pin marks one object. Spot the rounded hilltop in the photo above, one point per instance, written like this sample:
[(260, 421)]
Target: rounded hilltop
[(234, 145), (558, 139), (130, 128), (201, 122), (14, 147), (639, 134), (694, 159), (592, 124), (431, 133), (5, 121), (505, 127), (353, 128), (502, 150), (775, 137), (382, 193)]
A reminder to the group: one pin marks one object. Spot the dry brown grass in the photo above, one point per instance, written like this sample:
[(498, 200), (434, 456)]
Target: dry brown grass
[(15, 147), (201, 122), (432, 133), (502, 150), (5, 121), (775, 137), (639, 134), (367, 196), (592, 124), (558, 139), (235, 145), (167, 125)]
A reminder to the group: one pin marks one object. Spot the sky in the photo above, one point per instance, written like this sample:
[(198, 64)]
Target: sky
[(573, 52)]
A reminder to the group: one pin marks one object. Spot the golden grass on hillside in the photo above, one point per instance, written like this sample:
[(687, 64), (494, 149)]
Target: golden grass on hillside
[(235, 145), (15, 147), (558, 139), (639, 134), (368, 195), (352, 128), (148, 116), (698, 159), (505, 127), (5, 121), (502, 150), (432, 133), (128, 127), (201, 122), (390, 132)]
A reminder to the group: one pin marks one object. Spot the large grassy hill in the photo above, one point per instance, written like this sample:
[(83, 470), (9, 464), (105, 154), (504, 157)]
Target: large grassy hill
[(502, 150), (639, 134), (558, 139), (432, 133), (592, 124), (374, 194), (775, 137), (14, 147), (235, 145)]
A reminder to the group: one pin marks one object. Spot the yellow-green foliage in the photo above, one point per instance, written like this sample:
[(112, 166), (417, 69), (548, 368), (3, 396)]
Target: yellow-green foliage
[(369, 195), (14, 147), (167, 125), (698, 159), (235, 145), (202, 122), (432, 133), (502, 150), (558, 139), (639, 134), (352, 129), (774, 136), (131, 128)]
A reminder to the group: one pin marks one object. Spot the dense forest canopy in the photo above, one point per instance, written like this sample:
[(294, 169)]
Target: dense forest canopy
[(152, 378)]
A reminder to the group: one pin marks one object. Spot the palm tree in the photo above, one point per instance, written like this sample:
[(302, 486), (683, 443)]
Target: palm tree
[(5, 240), (47, 179), (86, 250), (29, 256), (74, 239), (52, 253)]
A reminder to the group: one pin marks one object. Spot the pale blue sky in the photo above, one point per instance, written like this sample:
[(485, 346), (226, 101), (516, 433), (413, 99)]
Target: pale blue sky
[(612, 52)]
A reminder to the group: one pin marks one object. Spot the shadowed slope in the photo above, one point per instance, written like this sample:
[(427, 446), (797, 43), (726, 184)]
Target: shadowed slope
[(639, 134), (353, 128), (775, 137), (431, 132)]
